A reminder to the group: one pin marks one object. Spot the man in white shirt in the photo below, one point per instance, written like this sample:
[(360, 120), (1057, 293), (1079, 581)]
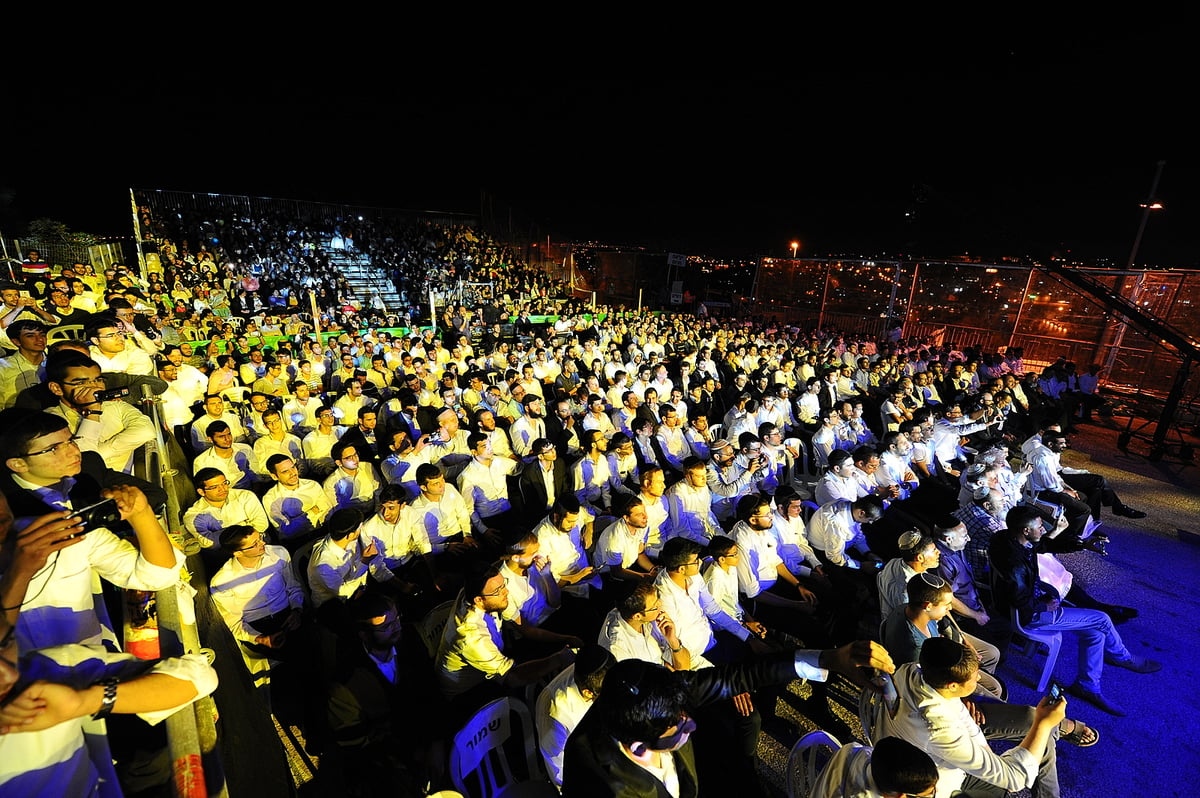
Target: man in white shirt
[(114, 429), (353, 482), (690, 503), (27, 367), (296, 506), (221, 506), (235, 460), (638, 628), (484, 486), (341, 562), (564, 701), (259, 598), (623, 544), (109, 349)]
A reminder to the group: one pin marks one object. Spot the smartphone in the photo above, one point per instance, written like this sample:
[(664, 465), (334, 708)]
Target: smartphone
[(1056, 693), (109, 395)]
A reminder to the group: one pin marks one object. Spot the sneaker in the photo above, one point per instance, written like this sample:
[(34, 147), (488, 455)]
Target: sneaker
[(1096, 699), (1135, 664)]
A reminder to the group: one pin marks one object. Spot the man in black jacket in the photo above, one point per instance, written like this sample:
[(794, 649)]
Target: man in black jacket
[(637, 732)]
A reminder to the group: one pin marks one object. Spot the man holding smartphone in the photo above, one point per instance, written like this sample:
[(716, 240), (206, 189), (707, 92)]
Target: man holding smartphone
[(113, 429)]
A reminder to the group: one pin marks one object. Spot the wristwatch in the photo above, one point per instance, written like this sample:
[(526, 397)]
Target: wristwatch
[(110, 698)]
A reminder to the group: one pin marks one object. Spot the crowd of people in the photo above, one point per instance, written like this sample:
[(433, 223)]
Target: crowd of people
[(658, 519)]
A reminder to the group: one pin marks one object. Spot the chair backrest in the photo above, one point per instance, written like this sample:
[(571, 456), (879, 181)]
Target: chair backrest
[(809, 756), (430, 627), (495, 750), (64, 332)]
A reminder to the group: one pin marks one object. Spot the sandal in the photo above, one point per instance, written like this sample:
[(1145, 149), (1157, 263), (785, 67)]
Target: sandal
[(1081, 735)]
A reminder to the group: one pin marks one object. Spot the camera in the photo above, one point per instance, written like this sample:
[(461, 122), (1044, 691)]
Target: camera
[(103, 513), (109, 395)]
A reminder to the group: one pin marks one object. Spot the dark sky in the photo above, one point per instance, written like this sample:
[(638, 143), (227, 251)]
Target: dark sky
[(991, 141)]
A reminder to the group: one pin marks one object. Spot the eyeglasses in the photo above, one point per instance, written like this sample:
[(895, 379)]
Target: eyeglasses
[(112, 335), (56, 448), (218, 486), (258, 541), (502, 589)]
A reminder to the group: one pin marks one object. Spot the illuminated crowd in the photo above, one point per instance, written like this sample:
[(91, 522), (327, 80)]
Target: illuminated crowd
[(399, 524)]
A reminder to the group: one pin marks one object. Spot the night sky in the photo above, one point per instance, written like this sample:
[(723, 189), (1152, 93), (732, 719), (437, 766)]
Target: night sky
[(989, 141)]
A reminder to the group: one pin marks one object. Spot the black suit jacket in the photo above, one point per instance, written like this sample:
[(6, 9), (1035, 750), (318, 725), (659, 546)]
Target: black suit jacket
[(532, 489), (93, 477), (596, 766)]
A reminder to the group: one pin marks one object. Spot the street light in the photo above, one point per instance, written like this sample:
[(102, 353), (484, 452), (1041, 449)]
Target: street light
[(795, 246)]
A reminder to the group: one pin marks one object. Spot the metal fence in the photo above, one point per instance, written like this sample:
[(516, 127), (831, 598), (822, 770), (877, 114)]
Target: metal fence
[(989, 305)]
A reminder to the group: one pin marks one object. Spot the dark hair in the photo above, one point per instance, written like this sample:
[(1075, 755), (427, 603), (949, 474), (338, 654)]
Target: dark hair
[(59, 363), (749, 504), (220, 425), (393, 492), (232, 536), (99, 322), (898, 766), (565, 504), (838, 457), (1019, 518), (275, 460), (635, 600), (22, 325), (720, 546), (477, 578), (870, 506), (342, 523), (204, 475), (640, 701), (20, 426), (678, 551), (426, 472), (945, 662)]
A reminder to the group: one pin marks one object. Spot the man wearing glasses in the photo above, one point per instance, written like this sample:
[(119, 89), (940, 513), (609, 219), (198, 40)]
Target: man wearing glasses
[(51, 474), (258, 595), (109, 349), (221, 506), (114, 429)]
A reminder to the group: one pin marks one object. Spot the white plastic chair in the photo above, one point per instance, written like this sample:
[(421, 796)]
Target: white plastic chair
[(433, 625), (808, 758), (1052, 641), (481, 764)]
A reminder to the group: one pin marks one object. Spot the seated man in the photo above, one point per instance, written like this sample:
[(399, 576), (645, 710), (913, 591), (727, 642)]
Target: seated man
[(341, 562), (836, 529), (46, 473), (114, 429), (295, 506), (214, 410), (936, 716), (621, 551), (918, 554), (951, 539), (403, 547), (564, 701), (221, 506), (704, 625), (235, 460), (636, 738), (893, 768), (637, 628), (352, 484), (259, 598), (906, 628), (1019, 587), (471, 662), (565, 536)]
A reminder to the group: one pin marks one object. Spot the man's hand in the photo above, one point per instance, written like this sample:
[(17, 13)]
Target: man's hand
[(756, 628), (667, 627), (981, 617), (581, 574), (806, 595), (1045, 712), (860, 654), (743, 704), (42, 705), (130, 500), (370, 550), (42, 538), (974, 712)]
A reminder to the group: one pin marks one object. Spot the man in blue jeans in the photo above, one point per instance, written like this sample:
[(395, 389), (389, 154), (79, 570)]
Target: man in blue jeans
[(1018, 585)]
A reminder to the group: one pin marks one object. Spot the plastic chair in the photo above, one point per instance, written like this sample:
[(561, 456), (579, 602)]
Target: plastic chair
[(431, 627), (1052, 641), (483, 758), (64, 332), (808, 758)]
